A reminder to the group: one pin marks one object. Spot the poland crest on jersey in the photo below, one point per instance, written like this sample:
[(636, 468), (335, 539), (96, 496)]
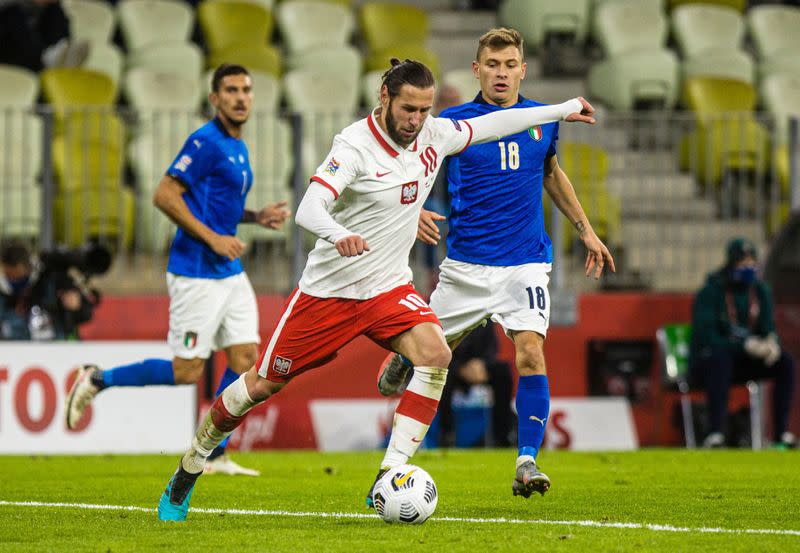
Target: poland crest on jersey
[(408, 194)]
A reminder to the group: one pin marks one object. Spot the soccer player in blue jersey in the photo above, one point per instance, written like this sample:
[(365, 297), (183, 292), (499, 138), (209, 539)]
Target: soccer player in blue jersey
[(212, 304), (498, 253)]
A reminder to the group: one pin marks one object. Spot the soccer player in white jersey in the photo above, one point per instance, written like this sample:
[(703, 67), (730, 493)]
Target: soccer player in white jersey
[(498, 253), (363, 203), (212, 304)]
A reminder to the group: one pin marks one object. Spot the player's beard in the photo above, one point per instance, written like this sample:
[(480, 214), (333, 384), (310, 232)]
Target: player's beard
[(231, 117), (391, 128)]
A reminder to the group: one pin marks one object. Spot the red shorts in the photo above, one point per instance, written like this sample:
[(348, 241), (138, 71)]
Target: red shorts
[(311, 330)]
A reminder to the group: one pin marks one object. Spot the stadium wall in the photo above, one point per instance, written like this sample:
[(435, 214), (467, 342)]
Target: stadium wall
[(618, 316)]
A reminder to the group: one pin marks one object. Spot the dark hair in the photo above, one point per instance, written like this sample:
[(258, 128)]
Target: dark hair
[(225, 70), (15, 254), (410, 72)]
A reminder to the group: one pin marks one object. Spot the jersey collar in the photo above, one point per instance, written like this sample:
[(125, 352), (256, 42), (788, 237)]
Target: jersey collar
[(480, 100)]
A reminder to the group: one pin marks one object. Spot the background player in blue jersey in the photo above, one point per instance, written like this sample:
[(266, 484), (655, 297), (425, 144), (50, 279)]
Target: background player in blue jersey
[(498, 253), (212, 304)]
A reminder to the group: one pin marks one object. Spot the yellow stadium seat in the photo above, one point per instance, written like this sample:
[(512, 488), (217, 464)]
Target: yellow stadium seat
[(782, 168), (80, 165), (230, 22), (63, 87), (386, 24), (255, 57), (105, 213), (380, 60), (738, 5), (587, 168), (727, 138)]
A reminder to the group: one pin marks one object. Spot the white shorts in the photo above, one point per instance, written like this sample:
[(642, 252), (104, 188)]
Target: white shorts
[(207, 314), (514, 297)]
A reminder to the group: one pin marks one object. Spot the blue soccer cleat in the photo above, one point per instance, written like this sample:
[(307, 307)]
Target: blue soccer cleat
[(174, 503)]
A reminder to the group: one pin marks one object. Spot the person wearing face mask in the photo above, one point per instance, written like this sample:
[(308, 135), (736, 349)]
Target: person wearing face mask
[(734, 340), (15, 282)]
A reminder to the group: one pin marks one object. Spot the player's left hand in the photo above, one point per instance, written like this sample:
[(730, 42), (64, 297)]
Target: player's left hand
[(427, 229), (273, 215), (585, 116), (597, 256)]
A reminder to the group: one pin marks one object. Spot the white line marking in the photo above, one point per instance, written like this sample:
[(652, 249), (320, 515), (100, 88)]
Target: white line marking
[(309, 514)]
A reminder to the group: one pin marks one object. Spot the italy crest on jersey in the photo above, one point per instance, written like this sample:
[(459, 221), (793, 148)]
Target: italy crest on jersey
[(536, 133)]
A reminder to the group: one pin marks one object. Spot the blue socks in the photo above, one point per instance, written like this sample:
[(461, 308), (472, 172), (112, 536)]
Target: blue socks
[(533, 408), (149, 372), (228, 378)]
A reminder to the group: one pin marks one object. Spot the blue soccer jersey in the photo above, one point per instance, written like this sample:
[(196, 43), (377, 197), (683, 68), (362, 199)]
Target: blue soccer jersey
[(215, 168), (496, 215)]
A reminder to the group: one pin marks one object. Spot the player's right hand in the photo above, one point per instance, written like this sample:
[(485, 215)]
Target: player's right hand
[(427, 229), (228, 246), (352, 245)]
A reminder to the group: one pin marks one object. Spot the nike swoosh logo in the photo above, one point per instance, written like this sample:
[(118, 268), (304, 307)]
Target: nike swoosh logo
[(426, 312), (416, 441), (537, 419), (379, 174), (399, 482)]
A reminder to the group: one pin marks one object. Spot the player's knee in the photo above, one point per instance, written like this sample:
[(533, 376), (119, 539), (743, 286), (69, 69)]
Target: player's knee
[(436, 357), (244, 359), (530, 359), (188, 371), (261, 389)]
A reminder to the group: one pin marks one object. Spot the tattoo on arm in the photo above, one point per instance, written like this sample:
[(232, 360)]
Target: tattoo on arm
[(581, 227)]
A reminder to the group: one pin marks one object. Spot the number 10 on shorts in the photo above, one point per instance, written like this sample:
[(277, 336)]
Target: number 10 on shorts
[(413, 302)]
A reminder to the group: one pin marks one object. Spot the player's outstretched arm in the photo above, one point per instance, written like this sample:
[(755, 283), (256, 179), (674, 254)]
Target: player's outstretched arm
[(312, 215), (168, 198), (562, 192), (498, 124), (271, 216)]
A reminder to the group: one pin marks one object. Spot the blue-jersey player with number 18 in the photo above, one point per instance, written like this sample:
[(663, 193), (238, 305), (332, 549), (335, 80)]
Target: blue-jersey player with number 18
[(212, 304), (498, 253)]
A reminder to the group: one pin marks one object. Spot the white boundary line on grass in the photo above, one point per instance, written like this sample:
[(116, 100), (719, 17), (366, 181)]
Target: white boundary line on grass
[(308, 514)]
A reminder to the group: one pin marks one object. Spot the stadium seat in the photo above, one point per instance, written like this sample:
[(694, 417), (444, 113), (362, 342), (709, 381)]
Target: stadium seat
[(344, 60), (20, 86), (94, 213), (723, 63), (673, 347), (738, 5), (20, 146), (536, 19), (386, 24), (79, 164), (168, 100), (727, 137), (229, 22), (371, 87), (699, 27), (380, 60), (785, 61), (20, 209), (634, 79), (180, 57), (629, 26), (266, 90), (77, 87), (773, 29), (255, 57), (105, 58), (464, 81), (314, 24), (144, 22), (269, 141), (780, 95), (587, 168), (91, 20)]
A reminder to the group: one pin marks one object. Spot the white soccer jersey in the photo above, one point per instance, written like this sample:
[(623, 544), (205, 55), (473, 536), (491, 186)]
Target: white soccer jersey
[(379, 189)]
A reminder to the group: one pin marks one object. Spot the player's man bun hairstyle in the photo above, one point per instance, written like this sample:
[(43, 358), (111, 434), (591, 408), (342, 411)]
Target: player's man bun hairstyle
[(226, 70), (409, 72), (499, 38)]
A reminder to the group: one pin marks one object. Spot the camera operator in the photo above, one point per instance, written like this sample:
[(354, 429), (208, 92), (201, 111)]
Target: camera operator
[(41, 299)]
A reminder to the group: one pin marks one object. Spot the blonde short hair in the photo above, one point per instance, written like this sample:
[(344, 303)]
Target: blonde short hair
[(500, 38)]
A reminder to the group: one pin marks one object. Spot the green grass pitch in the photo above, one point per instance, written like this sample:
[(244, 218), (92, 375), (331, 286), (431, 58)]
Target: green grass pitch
[(651, 500)]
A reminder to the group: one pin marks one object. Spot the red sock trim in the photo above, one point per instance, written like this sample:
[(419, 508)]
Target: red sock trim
[(417, 407), (222, 418)]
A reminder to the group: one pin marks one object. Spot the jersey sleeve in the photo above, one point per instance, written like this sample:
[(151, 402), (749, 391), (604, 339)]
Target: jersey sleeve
[(551, 151), (455, 135), (194, 162), (340, 168)]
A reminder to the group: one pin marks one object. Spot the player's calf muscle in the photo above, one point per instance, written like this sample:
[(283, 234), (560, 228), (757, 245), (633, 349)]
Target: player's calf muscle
[(187, 371)]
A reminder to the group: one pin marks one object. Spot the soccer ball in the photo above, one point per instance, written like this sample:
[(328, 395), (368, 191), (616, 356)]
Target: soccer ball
[(405, 494)]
